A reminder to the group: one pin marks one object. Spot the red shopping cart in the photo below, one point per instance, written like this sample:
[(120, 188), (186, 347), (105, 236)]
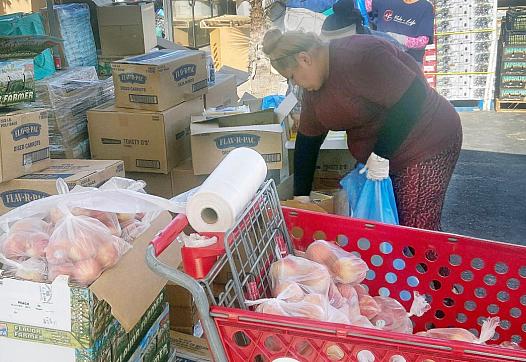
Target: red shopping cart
[(466, 280)]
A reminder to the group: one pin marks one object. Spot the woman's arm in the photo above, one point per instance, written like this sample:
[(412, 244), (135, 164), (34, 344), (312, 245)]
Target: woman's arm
[(369, 5), (309, 139), (305, 158), (418, 42)]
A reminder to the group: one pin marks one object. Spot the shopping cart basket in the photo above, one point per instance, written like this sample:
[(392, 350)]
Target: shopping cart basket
[(465, 280)]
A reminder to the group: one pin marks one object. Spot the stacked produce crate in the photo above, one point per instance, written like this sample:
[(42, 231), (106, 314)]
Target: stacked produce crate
[(466, 49), (512, 79), (68, 95), (430, 64)]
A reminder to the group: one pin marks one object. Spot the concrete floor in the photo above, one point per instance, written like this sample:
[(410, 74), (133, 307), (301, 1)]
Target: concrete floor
[(487, 194)]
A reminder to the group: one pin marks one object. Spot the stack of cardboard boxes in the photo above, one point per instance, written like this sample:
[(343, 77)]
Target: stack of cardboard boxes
[(148, 125), (156, 125), (124, 30), (26, 171)]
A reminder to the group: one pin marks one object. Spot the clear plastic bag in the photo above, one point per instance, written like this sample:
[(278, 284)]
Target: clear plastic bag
[(368, 306), (459, 334), (23, 245), (336, 299), (87, 244), (350, 296), (312, 277), (309, 308), (510, 345), (33, 269), (345, 267), (288, 291), (109, 219), (78, 233), (394, 318)]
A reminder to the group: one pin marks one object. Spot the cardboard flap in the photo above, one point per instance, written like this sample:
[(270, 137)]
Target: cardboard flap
[(247, 97), (247, 119), (286, 107), (199, 128), (303, 206), (131, 286), (159, 57)]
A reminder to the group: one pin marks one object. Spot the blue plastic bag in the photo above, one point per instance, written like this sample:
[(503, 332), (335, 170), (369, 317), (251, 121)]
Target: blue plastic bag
[(271, 102), (370, 199), (318, 6)]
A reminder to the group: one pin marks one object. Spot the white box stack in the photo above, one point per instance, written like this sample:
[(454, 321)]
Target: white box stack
[(466, 49)]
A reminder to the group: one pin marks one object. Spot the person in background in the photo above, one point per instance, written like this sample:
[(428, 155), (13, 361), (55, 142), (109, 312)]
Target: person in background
[(363, 85), (347, 21), (410, 22)]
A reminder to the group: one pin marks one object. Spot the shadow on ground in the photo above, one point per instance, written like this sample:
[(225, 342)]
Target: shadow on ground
[(487, 197)]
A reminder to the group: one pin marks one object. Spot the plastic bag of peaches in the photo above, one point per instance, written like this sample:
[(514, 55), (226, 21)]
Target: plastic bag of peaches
[(79, 233)]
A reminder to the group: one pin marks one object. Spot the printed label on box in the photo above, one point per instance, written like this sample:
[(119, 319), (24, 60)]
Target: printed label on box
[(133, 78), (237, 140), (41, 305), (17, 198)]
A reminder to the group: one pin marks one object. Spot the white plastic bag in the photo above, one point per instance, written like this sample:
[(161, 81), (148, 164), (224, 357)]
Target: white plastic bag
[(312, 277), (459, 334), (86, 244), (394, 318), (345, 267), (33, 269), (79, 233)]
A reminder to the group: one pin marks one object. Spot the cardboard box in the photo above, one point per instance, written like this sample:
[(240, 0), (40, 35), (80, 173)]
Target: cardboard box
[(263, 131), (41, 184), (177, 181), (147, 141), (105, 349), (21, 6), (24, 143), (77, 317), (223, 92), (230, 46), (189, 348), (334, 163), (155, 344), (184, 33), (159, 80), (127, 29), (319, 203), (17, 84), (183, 312)]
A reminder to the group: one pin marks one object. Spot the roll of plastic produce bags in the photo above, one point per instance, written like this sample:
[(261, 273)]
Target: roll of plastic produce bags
[(371, 194), (227, 191)]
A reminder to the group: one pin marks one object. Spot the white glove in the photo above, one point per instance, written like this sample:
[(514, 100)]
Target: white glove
[(377, 168)]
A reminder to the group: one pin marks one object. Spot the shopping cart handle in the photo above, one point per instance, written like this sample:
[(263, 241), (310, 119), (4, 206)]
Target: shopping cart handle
[(169, 234)]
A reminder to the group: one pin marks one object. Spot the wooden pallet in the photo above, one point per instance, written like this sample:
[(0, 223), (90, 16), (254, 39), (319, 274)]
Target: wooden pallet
[(471, 105), (226, 21), (510, 106)]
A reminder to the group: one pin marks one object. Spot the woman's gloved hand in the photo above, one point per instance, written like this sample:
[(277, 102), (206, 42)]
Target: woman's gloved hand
[(377, 167)]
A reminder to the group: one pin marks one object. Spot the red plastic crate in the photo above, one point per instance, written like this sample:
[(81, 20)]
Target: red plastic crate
[(465, 279)]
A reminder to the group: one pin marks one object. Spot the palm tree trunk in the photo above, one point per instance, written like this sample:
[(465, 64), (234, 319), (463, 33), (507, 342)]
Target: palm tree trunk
[(263, 79)]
